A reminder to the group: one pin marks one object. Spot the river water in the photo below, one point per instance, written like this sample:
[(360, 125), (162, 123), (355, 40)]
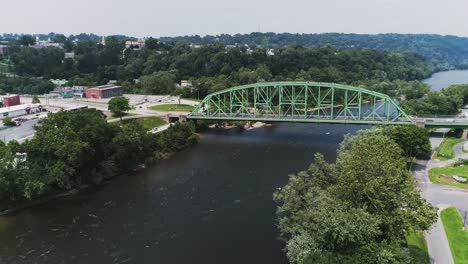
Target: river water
[(441, 80), (209, 204)]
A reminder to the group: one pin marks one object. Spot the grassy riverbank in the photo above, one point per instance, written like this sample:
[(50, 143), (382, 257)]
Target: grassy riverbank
[(445, 150), (457, 237), (172, 107)]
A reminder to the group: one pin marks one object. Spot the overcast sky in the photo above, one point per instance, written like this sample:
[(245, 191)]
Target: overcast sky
[(142, 18)]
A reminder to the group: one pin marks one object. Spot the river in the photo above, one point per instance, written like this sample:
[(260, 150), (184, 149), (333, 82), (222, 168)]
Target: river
[(209, 204), (441, 80)]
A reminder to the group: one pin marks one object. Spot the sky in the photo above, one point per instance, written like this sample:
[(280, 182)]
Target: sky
[(144, 18)]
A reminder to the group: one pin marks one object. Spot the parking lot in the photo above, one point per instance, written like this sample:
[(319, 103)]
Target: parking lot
[(19, 133)]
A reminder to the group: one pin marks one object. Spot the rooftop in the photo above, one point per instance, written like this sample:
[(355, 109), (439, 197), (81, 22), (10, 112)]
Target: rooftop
[(105, 87), (17, 108)]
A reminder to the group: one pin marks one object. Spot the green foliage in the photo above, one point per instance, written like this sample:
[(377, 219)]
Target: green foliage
[(35, 100), (355, 211), (436, 173), (156, 69), (417, 247), (397, 88), (413, 140), (7, 121), (457, 237), (27, 40), (435, 103), (162, 82), (22, 85), (148, 123), (445, 150), (118, 106), (444, 51)]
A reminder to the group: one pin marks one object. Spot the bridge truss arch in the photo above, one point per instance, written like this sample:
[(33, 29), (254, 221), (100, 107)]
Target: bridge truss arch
[(313, 102)]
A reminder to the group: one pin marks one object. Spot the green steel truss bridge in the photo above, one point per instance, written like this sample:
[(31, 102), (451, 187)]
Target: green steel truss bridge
[(310, 102)]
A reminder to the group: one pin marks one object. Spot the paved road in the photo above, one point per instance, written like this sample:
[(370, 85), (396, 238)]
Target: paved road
[(19, 133), (440, 196)]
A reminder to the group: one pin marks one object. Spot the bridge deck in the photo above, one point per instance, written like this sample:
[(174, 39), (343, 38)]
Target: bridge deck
[(429, 122)]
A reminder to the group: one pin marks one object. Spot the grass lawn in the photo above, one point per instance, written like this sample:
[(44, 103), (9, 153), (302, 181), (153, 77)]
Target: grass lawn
[(112, 117), (417, 247), (458, 238), (436, 173), (445, 150), (172, 107), (148, 123)]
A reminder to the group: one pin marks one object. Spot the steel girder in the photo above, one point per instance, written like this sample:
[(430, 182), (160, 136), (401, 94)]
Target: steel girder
[(300, 102)]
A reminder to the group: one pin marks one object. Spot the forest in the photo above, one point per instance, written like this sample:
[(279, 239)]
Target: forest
[(446, 52), (162, 64)]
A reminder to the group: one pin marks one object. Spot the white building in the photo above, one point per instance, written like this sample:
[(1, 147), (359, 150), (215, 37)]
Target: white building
[(19, 110), (185, 84), (135, 44)]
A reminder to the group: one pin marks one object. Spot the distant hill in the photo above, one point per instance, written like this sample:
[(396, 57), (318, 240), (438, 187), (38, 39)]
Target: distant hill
[(446, 52)]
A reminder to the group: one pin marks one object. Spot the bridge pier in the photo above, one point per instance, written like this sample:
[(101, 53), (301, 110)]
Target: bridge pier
[(465, 134), (420, 123)]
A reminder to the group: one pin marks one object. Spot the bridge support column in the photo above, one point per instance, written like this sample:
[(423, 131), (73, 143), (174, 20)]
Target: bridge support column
[(420, 123), (182, 118), (465, 134)]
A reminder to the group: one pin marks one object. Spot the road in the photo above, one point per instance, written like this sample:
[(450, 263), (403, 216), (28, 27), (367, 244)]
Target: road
[(440, 196), (19, 133)]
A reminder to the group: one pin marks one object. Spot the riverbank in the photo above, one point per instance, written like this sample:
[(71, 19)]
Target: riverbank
[(158, 147)]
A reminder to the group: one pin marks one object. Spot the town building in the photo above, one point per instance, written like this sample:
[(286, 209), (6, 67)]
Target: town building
[(70, 92), (3, 50), (104, 91), (139, 44), (69, 55), (10, 100), (185, 84), (44, 44), (19, 110)]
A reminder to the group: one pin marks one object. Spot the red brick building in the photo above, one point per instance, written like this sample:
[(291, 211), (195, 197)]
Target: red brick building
[(104, 91), (11, 100)]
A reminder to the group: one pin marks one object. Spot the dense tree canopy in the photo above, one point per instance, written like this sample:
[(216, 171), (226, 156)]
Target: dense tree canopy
[(445, 51), (355, 211)]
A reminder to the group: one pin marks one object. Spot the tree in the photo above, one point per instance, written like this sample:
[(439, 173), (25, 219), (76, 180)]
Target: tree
[(152, 43), (7, 121), (27, 40), (35, 100), (118, 106), (413, 140), (158, 83), (355, 211)]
